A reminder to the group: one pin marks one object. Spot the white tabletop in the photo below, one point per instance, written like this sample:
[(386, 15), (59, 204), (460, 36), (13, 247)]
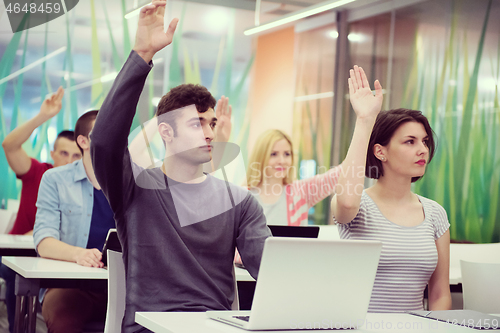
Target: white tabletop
[(33, 267), (242, 274), (16, 242), (471, 252), (458, 251), (197, 322), (41, 268), (455, 275)]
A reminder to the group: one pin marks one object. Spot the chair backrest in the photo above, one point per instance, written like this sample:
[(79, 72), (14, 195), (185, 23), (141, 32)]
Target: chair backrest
[(11, 222), (116, 293), (481, 286), (8, 216), (236, 302)]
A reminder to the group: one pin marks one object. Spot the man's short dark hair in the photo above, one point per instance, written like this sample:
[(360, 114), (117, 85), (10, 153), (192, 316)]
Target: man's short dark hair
[(84, 125), (181, 96), (67, 134), (70, 135), (386, 124)]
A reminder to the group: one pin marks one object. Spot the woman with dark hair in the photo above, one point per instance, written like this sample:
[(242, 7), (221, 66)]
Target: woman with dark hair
[(413, 229)]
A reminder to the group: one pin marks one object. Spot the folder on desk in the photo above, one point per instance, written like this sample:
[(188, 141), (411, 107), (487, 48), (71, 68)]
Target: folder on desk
[(467, 318)]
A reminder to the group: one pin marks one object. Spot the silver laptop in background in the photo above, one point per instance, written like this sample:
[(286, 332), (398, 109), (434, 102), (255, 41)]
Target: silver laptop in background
[(310, 284)]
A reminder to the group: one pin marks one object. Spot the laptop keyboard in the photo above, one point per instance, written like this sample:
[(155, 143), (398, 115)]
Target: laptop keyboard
[(244, 318)]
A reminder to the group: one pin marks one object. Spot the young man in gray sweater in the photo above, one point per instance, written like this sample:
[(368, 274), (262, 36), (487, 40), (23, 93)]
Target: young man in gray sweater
[(178, 226)]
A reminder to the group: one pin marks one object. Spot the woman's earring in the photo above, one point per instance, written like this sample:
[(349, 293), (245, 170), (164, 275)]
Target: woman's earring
[(383, 159)]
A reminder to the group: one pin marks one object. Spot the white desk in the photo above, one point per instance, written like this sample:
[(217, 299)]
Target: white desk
[(41, 268), (17, 245), (489, 253), (243, 275), (197, 322), (455, 275), (34, 273)]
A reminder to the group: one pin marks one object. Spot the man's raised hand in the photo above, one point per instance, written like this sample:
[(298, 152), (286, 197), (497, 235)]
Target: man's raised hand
[(364, 103), (151, 36), (52, 105), (223, 113)]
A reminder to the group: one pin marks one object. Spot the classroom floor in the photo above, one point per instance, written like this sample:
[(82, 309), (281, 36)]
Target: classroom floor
[(40, 324)]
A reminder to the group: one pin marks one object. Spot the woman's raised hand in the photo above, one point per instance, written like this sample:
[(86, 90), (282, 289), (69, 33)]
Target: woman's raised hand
[(364, 103)]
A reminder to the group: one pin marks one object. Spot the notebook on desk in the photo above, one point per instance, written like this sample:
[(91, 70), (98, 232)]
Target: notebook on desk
[(294, 231), (309, 283)]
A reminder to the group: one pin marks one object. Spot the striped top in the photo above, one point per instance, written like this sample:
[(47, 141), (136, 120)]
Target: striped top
[(303, 194), (409, 255)]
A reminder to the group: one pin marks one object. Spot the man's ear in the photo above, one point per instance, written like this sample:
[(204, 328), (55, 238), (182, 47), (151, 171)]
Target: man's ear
[(83, 142), (166, 132), (379, 152)]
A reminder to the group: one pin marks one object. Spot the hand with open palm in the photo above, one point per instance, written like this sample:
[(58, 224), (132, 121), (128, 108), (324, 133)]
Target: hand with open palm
[(364, 103), (223, 113), (151, 36)]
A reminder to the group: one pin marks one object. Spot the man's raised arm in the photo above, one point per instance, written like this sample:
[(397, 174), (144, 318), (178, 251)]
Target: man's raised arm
[(17, 157), (109, 152)]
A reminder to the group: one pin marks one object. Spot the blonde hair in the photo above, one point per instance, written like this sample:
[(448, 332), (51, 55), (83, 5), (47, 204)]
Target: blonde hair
[(260, 157)]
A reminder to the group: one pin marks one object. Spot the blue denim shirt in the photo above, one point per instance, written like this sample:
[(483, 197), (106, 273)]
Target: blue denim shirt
[(64, 205)]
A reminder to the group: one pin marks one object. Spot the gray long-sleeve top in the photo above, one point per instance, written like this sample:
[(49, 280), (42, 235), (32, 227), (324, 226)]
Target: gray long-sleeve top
[(169, 267)]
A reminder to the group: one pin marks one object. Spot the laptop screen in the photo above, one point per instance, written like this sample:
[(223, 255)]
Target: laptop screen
[(294, 231), (112, 243)]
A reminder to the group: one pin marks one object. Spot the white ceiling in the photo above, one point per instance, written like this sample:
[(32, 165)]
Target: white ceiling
[(203, 28)]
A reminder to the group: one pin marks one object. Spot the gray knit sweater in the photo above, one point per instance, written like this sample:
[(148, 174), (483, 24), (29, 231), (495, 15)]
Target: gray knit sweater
[(169, 267)]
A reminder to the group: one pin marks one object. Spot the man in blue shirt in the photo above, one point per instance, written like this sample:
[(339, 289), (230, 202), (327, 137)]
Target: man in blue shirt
[(72, 221)]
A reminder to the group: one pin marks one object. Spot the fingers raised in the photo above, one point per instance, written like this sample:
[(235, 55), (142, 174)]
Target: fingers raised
[(357, 74), (351, 88), (171, 28), (161, 7), (354, 82), (364, 79), (378, 88), (60, 93), (222, 106), (158, 6)]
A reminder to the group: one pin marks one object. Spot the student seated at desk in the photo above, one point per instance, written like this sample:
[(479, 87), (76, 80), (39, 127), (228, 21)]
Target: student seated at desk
[(178, 226), (30, 172), (72, 221), (270, 177), (413, 229)]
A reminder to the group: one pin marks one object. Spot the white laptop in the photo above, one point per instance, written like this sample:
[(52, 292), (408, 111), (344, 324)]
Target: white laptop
[(310, 284)]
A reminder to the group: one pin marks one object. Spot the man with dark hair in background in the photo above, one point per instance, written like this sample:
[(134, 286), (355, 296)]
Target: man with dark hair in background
[(30, 172), (72, 221), (177, 225)]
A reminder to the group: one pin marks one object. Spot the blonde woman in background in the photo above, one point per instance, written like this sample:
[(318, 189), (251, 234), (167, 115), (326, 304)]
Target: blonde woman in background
[(271, 178)]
